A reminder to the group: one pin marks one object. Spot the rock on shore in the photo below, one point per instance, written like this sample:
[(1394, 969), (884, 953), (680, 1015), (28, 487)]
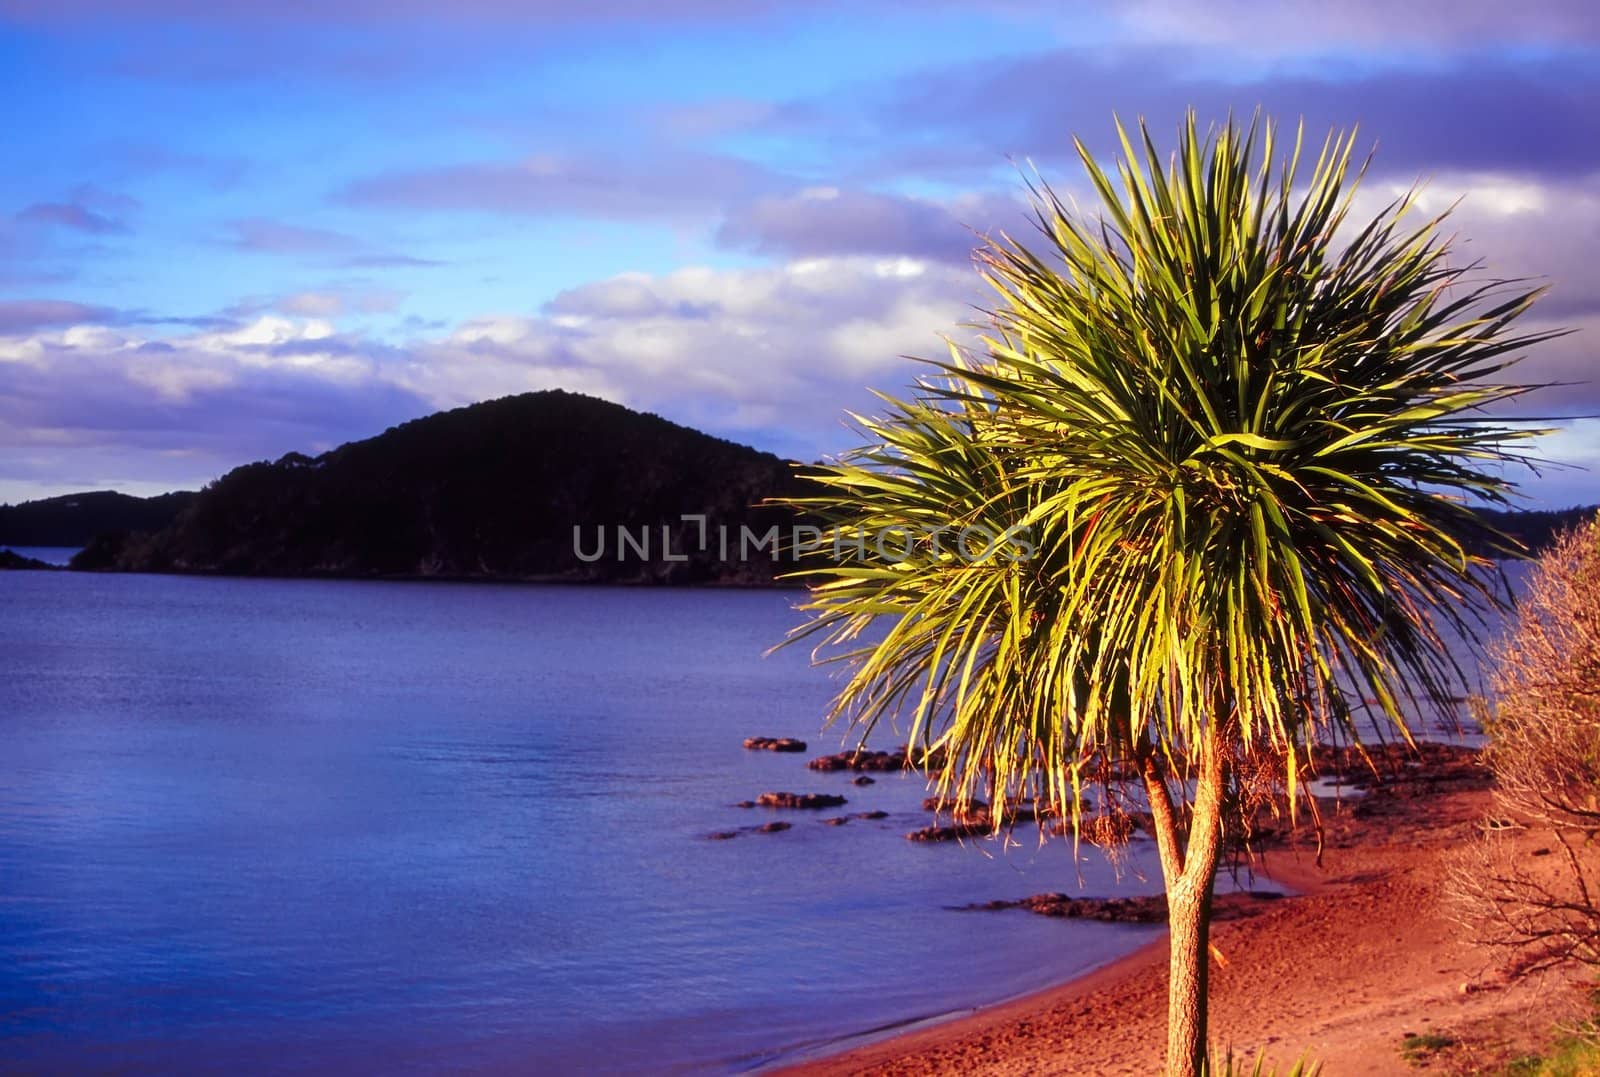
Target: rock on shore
[(1126, 910)]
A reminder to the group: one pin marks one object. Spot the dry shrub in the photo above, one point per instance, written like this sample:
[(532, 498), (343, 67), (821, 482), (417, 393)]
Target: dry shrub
[(1544, 749)]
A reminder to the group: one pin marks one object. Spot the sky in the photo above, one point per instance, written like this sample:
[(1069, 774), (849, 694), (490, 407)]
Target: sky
[(229, 230)]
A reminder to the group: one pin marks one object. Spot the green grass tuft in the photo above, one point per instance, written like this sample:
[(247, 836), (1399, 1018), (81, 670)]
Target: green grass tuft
[(1572, 1058), (1418, 1049)]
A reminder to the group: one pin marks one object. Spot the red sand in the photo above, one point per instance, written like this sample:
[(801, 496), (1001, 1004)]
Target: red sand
[(1362, 957)]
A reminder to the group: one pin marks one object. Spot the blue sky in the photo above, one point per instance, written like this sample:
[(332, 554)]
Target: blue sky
[(230, 230)]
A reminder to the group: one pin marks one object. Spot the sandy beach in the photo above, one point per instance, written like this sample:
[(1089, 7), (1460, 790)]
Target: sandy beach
[(1362, 957)]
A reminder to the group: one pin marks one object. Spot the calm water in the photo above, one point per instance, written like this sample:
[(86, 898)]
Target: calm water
[(289, 826)]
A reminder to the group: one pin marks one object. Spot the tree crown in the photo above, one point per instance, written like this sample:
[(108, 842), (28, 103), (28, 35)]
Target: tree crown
[(1229, 444)]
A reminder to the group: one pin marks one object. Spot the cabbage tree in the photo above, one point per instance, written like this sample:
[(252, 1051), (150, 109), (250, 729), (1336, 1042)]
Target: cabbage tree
[(1204, 495)]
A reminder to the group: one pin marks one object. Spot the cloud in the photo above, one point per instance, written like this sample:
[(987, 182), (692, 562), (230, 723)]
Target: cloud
[(1234, 21), (1576, 479), (1542, 230), (262, 235), (1480, 111), (386, 260), (266, 236), (328, 302), (1430, 24), (711, 118), (651, 183), (826, 221), (771, 355), (332, 304), (767, 355), (602, 13), (313, 304), (1537, 233), (71, 216), (102, 404), (762, 212), (46, 242), (28, 315)]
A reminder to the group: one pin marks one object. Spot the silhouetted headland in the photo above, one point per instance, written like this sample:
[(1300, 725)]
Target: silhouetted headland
[(548, 486)]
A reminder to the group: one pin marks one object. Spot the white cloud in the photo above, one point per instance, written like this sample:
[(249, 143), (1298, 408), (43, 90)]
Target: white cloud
[(771, 355), (1542, 231), (738, 349)]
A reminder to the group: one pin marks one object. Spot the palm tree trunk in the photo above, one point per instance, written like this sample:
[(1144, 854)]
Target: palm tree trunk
[(1190, 871)]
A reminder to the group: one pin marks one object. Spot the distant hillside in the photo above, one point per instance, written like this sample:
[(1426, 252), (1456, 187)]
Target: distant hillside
[(74, 519), (489, 491), (1537, 528)]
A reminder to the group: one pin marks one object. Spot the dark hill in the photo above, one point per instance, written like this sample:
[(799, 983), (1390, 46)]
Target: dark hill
[(491, 491), (12, 561), (1538, 528), (74, 519)]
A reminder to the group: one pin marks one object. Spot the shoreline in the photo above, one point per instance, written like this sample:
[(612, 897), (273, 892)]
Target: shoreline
[(550, 580), (1298, 878), (1360, 955), (857, 1052)]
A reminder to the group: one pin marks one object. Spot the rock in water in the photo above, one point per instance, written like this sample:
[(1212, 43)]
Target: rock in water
[(799, 800), (1150, 909), (864, 759), (946, 833), (774, 744)]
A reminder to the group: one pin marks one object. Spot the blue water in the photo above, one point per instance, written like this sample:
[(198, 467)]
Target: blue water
[(289, 825)]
